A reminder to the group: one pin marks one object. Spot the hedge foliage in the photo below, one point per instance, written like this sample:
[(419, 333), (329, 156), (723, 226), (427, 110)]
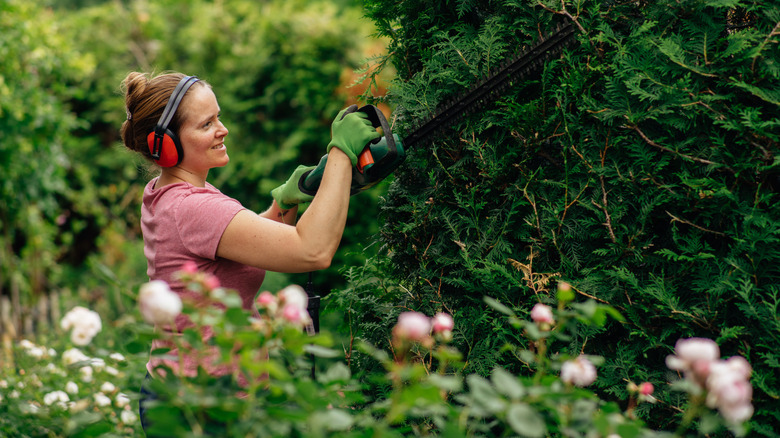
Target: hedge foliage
[(641, 166)]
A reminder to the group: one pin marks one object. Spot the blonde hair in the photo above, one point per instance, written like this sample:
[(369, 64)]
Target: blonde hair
[(145, 100)]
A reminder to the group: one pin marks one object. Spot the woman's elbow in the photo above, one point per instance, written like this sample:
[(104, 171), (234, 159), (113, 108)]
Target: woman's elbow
[(323, 263), (319, 261)]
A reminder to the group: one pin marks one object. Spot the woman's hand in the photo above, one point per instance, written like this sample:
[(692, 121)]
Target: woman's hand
[(351, 132), (288, 195)]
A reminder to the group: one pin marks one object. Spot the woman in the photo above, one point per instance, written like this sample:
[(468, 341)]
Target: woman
[(174, 121)]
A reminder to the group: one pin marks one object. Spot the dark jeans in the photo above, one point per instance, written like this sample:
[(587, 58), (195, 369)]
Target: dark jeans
[(210, 428), (146, 396)]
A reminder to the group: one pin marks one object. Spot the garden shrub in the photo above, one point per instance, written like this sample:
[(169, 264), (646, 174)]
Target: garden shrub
[(640, 166)]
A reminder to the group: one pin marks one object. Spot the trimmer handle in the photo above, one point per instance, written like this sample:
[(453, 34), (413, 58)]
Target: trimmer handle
[(366, 172)]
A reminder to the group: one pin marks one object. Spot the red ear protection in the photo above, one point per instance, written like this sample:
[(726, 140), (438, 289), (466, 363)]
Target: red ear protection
[(164, 145)]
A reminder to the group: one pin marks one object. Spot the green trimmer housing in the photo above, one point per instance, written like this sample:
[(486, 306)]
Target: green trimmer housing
[(378, 160)]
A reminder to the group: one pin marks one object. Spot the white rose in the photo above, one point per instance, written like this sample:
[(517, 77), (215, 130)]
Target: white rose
[(26, 344), (36, 352), (84, 321), (442, 323), (107, 388), (71, 388), (102, 400), (117, 357), (97, 363), (158, 303), (127, 417), (73, 355), (294, 295), (86, 374), (81, 337), (579, 372), (121, 400), (58, 397)]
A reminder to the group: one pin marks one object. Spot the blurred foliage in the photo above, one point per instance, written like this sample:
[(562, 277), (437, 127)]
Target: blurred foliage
[(71, 193)]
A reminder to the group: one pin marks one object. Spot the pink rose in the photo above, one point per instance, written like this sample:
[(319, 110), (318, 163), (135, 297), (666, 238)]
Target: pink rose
[(646, 388), (266, 299), (579, 372), (211, 282), (542, 314), (443, 324), (295, 295), (412, 326), (292, 313), (189, 267), (729, 390), (693, 357), (294, 302)]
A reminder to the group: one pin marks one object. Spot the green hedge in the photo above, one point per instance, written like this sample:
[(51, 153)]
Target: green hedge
[(640, 166)]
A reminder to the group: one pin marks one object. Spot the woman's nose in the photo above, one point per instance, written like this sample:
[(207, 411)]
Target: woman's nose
[(222, 131)]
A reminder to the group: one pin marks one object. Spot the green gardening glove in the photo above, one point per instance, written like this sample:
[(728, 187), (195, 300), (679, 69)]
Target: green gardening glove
[(351, 132), (288, 195)]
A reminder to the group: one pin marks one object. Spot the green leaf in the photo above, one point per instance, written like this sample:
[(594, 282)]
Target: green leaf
[(447, 383), (498, 306), (320, 351), (338, 372), (331, 420), (507, 384), (484, 394), (525, 421)]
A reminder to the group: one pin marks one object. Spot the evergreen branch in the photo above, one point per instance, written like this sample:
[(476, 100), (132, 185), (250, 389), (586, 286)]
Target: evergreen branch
[(698, 227), (573, 201), (775, 32), (673, 51), (603, 207), (565, 13), (666, 149), (536, 212)]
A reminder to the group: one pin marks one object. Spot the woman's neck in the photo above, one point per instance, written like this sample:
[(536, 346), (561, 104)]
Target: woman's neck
[(172, 175)]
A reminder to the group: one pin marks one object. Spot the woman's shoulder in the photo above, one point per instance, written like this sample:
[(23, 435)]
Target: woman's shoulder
[(185, 196)]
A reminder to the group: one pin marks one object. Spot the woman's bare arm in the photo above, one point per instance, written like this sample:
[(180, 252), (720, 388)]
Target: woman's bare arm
[(266, 241)]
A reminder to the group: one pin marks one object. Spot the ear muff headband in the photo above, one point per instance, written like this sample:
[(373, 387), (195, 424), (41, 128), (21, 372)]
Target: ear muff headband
[(163, 144)]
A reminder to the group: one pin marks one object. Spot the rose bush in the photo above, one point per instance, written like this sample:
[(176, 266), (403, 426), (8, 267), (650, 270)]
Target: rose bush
[(284, 381), (82, 391), (425, 393)]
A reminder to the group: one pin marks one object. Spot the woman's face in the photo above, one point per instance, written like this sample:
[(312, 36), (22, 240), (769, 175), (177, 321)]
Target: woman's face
[(202, 134)]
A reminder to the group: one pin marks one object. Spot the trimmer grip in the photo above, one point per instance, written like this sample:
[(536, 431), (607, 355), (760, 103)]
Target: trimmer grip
[(310, 181), (371, 167)]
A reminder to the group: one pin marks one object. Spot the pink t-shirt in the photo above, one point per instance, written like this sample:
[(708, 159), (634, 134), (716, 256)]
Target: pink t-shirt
[(180, 223)]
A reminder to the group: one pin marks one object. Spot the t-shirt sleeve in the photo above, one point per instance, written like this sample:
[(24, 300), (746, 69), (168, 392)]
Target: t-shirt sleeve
[(202, 218)]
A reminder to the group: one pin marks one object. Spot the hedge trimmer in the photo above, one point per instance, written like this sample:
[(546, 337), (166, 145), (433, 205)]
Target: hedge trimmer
[(382, 156)]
